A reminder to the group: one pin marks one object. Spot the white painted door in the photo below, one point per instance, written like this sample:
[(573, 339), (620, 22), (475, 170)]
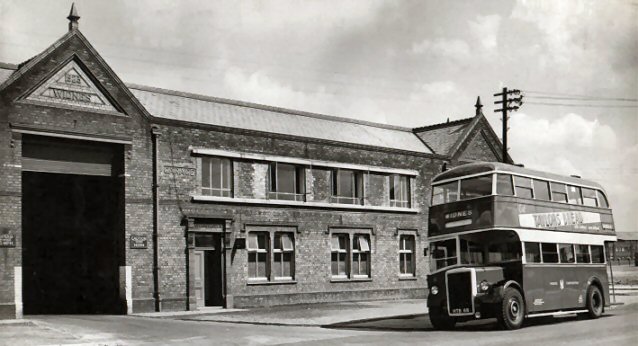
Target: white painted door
[(200, 275)]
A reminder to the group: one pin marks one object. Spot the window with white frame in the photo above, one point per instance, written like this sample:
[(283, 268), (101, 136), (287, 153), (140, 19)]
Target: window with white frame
[(258, 253), (271, 255), (347, 186), (216, 177), (287, 181), (400, 191), (360, 256), (339, 245), (406, 254), (283, 256)]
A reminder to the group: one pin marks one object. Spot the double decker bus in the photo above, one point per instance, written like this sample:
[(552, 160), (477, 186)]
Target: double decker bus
[(513, 243)]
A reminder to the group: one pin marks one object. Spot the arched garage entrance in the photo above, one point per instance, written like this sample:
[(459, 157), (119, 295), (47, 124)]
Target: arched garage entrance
[(72, 221)]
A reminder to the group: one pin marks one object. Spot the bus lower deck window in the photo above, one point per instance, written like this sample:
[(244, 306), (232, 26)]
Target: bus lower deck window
[(582, 254), (533, 252), (550, 253), (597, 254), (566, 252)]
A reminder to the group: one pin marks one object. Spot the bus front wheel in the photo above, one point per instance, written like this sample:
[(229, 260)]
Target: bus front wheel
[(512, 310), (440, 319), (594, 302)]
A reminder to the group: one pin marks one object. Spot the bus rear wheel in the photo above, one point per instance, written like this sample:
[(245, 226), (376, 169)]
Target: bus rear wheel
[(595, 302), (512, 312), (440, 319)]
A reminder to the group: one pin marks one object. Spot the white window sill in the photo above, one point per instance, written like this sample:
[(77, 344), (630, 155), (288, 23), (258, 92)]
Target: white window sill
[(252, 282), (353, 279), (407, 277), (255, 201)]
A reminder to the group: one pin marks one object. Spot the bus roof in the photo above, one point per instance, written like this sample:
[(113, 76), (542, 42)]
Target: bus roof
[(480, 167)]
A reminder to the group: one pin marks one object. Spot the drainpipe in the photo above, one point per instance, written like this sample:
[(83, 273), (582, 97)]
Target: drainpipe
[(155, 133)]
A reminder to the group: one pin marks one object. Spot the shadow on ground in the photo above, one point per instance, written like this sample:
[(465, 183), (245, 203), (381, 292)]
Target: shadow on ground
[(421, 323)]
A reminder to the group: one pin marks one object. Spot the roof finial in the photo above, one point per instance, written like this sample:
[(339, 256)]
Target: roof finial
[(479, 106), (73, 18)]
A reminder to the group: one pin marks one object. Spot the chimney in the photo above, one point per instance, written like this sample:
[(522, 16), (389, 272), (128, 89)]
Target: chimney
[(73, 18)]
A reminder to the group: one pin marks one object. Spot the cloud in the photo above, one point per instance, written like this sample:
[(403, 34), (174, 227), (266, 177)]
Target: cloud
[(259, 87), (485, 30), (452, 48), (569, 131)]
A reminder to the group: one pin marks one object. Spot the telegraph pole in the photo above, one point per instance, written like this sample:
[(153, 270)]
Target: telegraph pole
[(506, 103)]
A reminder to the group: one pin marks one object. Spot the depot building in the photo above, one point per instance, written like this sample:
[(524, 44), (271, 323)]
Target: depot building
[(120, 198)]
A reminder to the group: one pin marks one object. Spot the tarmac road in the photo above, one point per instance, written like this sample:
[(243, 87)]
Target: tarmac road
[(617, 327)]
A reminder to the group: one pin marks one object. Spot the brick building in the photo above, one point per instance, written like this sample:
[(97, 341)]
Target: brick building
[(119, 198)]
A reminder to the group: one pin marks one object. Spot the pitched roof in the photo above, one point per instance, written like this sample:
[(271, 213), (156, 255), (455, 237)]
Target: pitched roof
[(442, 137), (201, 109), (6, 70)]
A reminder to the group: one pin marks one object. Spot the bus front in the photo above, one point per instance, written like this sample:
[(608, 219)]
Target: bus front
[(472, 263)]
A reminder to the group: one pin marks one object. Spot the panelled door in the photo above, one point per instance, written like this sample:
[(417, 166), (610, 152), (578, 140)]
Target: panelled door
[(199, 265)]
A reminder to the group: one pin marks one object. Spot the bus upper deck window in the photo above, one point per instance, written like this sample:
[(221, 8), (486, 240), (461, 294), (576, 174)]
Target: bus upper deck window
[(541, 190), (523, 187), (445, 193), (566, 252), (602, 200), (558, 192), (504, 185), (476, 187), (573, 193), (589, 197)]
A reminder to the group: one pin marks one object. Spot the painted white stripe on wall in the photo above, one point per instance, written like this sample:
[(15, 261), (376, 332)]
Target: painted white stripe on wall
[(129, 290), (299, 161), (17, 291), (126, 284)]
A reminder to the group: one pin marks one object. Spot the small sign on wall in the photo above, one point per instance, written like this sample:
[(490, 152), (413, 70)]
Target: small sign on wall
[(138, 242), (7, 238)]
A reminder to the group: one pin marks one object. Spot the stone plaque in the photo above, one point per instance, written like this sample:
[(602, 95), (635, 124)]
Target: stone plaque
[(138, 242), (7, 238)]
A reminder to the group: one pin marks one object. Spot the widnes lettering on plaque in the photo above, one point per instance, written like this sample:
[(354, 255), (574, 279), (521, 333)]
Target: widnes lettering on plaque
[(7, 238), (138, 242), (72, 86)]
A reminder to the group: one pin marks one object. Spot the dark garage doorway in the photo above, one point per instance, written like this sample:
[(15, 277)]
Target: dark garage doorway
[(72, 227)]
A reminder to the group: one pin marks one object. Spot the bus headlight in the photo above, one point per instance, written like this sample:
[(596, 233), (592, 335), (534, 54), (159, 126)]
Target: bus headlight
[(484, 286), (434, 290)]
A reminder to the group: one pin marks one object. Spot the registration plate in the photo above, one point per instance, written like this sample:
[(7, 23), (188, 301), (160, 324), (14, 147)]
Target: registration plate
[(461, 311)]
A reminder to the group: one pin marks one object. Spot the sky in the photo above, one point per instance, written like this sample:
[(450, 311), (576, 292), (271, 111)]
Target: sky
[(407, 63)]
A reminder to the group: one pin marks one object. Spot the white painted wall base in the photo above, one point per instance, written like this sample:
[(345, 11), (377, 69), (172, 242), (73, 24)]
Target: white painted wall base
[(126, 287), (17, 291)]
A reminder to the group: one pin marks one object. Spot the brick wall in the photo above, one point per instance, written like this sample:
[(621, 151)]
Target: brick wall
[(312, 240)]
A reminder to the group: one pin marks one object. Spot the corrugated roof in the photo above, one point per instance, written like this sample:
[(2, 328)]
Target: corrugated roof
[(442, 137), (193, 108)]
